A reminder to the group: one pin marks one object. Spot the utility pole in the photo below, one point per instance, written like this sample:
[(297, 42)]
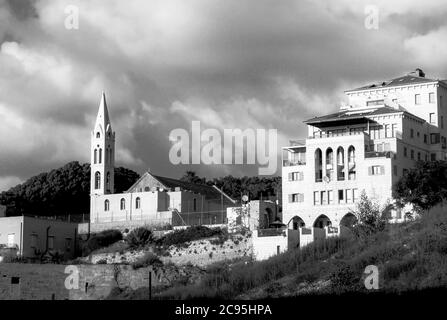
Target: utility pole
[(150, 282)]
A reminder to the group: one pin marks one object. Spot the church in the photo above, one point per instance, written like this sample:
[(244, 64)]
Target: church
[(153, 200)]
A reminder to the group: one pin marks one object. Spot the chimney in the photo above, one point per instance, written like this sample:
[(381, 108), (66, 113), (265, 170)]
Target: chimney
[(418, 73)]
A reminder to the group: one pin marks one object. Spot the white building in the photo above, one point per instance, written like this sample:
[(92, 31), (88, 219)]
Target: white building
[(152, 200), (366, 146)]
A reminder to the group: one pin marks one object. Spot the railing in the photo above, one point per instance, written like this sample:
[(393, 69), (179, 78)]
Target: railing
[(289, 163), (271, 232), (323, 134), (379, 154)]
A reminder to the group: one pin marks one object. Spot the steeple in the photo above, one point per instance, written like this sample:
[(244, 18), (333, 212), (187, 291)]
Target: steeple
[(102, 152), (102, 119)]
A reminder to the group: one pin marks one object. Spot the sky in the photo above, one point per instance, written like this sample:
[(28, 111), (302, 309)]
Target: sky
[(251, 64)]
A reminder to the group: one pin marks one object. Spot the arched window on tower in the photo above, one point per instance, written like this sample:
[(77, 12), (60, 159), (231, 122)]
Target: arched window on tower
[(137, 203), (100, 155), (108, 182), (106, 205), (123, 204), (97, 180), (98, 135), (95, 156)]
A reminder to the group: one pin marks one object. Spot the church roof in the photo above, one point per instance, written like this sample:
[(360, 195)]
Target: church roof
[(103, 119), (149, 181)]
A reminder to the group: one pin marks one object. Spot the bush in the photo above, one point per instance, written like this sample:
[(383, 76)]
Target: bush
[(139, 237), (181, 237), (345, 277), (101, 240), (149, 259)]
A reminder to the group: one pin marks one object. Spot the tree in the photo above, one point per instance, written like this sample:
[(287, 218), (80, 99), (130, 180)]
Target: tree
[(370, 216), (59, 192), (423, 186), (191, 177)]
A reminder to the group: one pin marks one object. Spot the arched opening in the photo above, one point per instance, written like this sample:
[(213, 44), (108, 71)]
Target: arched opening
[(318, 165), (351, 163), (98, 135), (106, 205), (108, 181), (296, 222), (340, 164), (330, 163), (137, 203), (123, 204), (97, 180), (348, 220), (322, 221), (95, 156), (100, 155)]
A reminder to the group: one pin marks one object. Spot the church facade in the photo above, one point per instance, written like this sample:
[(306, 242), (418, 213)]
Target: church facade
[(153, 199)]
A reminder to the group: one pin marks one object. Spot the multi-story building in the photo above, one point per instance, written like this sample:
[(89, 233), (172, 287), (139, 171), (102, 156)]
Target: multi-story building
[(367, 146)]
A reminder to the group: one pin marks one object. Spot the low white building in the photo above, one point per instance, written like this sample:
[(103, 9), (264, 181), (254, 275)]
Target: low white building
[(367, 146)]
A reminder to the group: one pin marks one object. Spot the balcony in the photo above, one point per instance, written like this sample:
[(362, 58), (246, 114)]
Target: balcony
[(322, 134), (290, 163), (379, 154)]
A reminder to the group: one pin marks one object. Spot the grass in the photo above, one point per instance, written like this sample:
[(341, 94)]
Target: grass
[(409, 256)]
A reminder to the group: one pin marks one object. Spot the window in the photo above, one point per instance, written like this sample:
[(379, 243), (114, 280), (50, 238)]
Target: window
[(405, 152), (419, 156), (411, 133), (123, 204), (425, 138), (317, 201), (435, 138), (95, 156), (323, 197), (98, 135), (296, 176), (33, 241), (138, 203), (355, 194), (296, 197), (431, 97), (68, 244), (108, 181), (376, 170), (351, 154), (348, 195), (432, 118), (106, 205), (50, 242), (417, 99), (433, 157), (388, 131), (330, 196), (100, 155), (374, 103), (412, 154), (341, 196), (97, 180), (194, 202)]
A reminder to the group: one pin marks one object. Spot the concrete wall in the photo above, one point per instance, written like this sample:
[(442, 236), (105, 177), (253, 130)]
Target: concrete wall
[(265, 247)]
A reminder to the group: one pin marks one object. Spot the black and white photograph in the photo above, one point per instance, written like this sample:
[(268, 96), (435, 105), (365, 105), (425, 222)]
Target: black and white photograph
[(223, 158)]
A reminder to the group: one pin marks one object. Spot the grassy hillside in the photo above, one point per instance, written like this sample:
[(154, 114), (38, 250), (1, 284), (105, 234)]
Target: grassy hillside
[(409, 256)]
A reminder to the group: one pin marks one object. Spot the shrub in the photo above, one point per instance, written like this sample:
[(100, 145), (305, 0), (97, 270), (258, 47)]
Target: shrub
[(181, 237), (149, 259), (139, 237), (102, 261), (345, 277), (101, 240)]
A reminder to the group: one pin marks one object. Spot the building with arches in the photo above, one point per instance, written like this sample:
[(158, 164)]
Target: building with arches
[(367, 145), (152, 200)]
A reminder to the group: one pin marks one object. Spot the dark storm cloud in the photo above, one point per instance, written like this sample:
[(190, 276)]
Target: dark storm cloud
[(163, 63)]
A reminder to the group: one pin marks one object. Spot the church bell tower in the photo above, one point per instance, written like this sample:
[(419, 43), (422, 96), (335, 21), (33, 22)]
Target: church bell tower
[(102, 161)]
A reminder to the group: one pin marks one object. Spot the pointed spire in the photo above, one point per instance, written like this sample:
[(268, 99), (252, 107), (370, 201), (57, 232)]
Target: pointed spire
[(102, 119)]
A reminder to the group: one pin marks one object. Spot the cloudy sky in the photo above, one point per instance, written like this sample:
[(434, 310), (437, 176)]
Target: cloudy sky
[(164, 63)]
